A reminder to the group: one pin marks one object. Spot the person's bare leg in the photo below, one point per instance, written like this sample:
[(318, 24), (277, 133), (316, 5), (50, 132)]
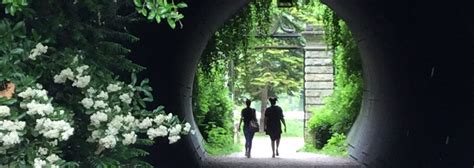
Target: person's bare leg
[(273, 148), (278, 145), (250, 145)]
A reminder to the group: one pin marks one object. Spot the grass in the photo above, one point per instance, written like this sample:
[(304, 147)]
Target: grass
[(294, 128), (222, 150), (332, 149), (325, 151)]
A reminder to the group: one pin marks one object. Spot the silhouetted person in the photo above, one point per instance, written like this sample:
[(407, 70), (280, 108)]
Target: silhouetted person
[(273, 116), (247, 115)]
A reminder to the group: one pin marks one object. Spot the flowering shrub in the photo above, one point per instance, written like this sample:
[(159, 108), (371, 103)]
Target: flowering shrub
[(33, 127), (63, 107)]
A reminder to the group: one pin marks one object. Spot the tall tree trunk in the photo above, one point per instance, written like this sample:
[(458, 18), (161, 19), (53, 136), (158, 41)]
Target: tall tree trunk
[(263, 99)]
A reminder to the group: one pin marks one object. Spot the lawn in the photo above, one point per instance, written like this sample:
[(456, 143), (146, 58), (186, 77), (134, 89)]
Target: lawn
[(294, 128)]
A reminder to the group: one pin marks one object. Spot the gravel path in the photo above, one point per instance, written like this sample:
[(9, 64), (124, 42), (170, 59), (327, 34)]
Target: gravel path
[(289, 158)]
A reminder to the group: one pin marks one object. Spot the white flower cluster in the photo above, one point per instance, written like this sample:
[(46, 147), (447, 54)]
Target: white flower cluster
[(174, 133), (119, 125), (39, 108), (4, 111), (87, 103), (129, 138), (35, 100), (41, 161), (9, 132), (80, 79), (122, 128), (51, 159), (126, 98), (113, 88), (31, 93), (61, 129), (37, 51), (97, 118), (111, 120), (48, 126)]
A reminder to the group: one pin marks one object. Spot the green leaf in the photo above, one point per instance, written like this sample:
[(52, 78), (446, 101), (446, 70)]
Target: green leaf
[(11, 10), (162, 10), (171, 22), (144, 12), (134, 79), (24, 2), (179, 17), (145, 82), (151, 15), (148, 99), (138, 3), (5, 101), (17, 51), (159, 109), (182, 5), (158, 18), (149, 5)]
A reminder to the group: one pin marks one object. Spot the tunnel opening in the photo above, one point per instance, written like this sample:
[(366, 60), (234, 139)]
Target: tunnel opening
[(405, 119), (293, 58)]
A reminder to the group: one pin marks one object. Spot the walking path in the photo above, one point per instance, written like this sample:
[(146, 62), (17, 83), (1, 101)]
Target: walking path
[(289, 158)]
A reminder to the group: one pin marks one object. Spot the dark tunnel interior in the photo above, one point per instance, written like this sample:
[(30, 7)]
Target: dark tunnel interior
[(417, 57)]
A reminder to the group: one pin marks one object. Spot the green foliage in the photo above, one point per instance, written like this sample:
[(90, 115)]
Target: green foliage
[(220, 142), (294, 128), (161, 9), (336, 146), (151, 9), (213, 105), (254, 72), (213, 112), (278, 71), (320, 127), (231, 42), (14, 6)]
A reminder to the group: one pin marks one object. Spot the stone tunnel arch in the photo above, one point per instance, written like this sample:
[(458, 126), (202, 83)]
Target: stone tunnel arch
[(403, 103)]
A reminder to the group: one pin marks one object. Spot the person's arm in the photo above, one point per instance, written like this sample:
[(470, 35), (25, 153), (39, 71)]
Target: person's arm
[(241, 119), (283, 119), (254, 115), (265, 121)]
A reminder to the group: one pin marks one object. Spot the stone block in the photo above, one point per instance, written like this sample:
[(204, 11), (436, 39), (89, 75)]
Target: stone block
[(318, 93), (319, 69), (318, 61), (317, 54), (314, 100), (319, 85), (318, 77), (310, 107)]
